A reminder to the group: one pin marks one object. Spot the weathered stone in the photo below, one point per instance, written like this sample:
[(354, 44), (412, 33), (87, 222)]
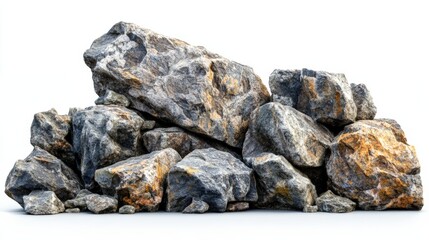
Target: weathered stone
[(127, 209), (101, 204), (79, 201), (113, 98), (41, 171), (212, 176), (284, 131), (310, 208), (196, 206), (285, 86), (329, 202), (366, 109), (52, 132), (237, 206), (372, 164), (280, 185), (42, 203), (174, 81), (103, 135), (72, 210), (326, 97), (138, 181)]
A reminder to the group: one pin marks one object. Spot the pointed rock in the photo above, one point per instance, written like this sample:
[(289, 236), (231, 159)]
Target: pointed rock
[(42, 203), (196, 206), (366, 109), (329, 202)]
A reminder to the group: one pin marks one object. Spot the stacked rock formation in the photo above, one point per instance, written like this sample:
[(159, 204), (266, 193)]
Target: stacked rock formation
[(179, 128)]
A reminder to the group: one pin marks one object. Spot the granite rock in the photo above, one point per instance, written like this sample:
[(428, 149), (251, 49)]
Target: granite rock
[(196, 206), (127, 209), (42, 203), (366, 109), (329, 202), (113, 98), (101, 204)]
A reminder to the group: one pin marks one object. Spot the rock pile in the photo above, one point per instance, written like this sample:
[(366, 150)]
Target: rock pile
[(182, 129)]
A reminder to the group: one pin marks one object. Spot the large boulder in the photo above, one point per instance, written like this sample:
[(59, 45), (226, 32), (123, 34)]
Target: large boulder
[(211, 176), (282, 130), (41, 171), (138, 181), (366, 109), (42, 203), (174, 81), (103, 135), (372, 164)]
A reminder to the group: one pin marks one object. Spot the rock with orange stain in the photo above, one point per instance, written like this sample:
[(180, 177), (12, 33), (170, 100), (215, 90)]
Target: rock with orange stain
[(103, 135), (211, 176), (138, 181), (280, 185), (176, 82), (372, 164), (366, 109)]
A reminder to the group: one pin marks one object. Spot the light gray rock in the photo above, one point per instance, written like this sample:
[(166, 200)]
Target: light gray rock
[(279, 184), (285, 86), (196, 206), (174, 81), (310, 209), (329, 202), (237, 206), (42, 203), (212, 176), (41, 171), (113, 98), (72, 210), (79, 201), (366, 109), (101, 204), (284, 131), (103, 135), (138, 181), (127, 209)]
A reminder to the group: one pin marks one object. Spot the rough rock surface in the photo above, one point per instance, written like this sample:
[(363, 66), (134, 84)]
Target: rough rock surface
[(138, 181), (310, 209), (212, 176), (196, 206), (237, 206), (285, 86), (41, 171), (79, 201), (113, 98), (42, 203), (372, 164), (103, 135), (127, 209), (329, 202), (174, 81), (280, 185), (284, 131), (366, 109), (52, 132), (101, 204)]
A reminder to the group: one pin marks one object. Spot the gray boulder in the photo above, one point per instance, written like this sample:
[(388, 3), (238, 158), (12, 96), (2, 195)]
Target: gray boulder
[(101, 204), (366, 109), (174, 81), (112, 98), (196, 206), (285, 86), (329, 202), (212, 176), (42, 203)]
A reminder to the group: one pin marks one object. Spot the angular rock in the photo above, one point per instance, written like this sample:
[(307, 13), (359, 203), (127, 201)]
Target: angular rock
[(280, 185), (212, 176), (329, 202), (101, 204), (237, 206), (103, 135), (285, 131), (41, 171), (285, 86), (372, 164), (42, 203), (127, 209), (138, 181), (52, 132), (196, 206), (366, 109), (327, 98), (79, 201), (174, 81), (72, 210), (113, 98)]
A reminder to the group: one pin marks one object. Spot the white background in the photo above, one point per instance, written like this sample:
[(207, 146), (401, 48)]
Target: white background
[(381, 44)]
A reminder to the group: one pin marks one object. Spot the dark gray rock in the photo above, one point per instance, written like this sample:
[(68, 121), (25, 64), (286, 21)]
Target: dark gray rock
[(101, 204), (366, 109), (42, 203), (127, 209), (174, 81), (280, 185), (138, 181), (329, 202), (52, 132), (283, 130), (113, 98), (72, 210), (285, 86), (212, 176), (103, 135), (196, 206), (237, 206), (41, 171)]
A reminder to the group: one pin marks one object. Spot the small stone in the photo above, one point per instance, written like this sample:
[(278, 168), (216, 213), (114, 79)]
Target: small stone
[(112, 98), (329, 202), (310, 208), (78, 202), (72, 210), (237, 206), (101, 204), (127, 209), (285, 86), (196, 206), (43, 203), (366, 109)]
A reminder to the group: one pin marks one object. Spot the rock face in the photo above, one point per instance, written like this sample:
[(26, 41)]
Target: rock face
[(41, 171), (372, 164), (103, 135), (52, 132), (366, 110), (285, 86), (174, 81), (138, 181), (329, 202), (42, 203), (212, 176), (284, 131), (280, 185), (112, 98)]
